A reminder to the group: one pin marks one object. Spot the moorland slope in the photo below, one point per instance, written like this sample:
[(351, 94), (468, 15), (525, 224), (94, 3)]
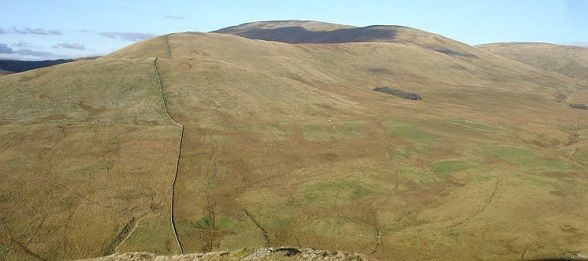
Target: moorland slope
[(288, 144), (565, 59), (571, 61)]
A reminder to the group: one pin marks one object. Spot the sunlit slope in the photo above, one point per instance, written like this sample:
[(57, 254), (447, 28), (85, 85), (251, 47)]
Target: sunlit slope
[(304, 32), (85, 91), (87, 156), (340, 63), (287, 144), (571, 61), (567, 60)]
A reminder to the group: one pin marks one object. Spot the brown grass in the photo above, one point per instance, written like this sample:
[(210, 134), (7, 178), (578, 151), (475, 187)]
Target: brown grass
[(481, 168)]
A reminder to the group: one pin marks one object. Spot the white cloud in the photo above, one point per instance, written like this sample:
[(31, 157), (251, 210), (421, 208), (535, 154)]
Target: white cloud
[(129, 36), (73, 46)]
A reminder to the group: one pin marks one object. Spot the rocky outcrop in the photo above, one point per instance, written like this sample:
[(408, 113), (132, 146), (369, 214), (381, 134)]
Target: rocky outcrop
[(281, 253)]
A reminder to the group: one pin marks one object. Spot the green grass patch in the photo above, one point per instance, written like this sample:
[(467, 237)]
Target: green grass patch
[(87, 168), (204, 222), (216, 139), (527, 158), (149, 237), (408, 131), (337, 228), (273, 132), (3, 251), (315, 133), (451, 233), (224, 223), (535, 180), (331, 132), (207, 222), (349, 130), (446, 167), (417, 175), (482, 178), (474, 125), (283, 222), (331, 192), (398, 151), (276, 132)]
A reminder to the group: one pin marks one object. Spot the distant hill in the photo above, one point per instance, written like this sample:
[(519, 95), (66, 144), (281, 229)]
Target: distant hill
[(297, 32), (15, 66), (3, 72), (21, 66), (567, 60), (312, 26)]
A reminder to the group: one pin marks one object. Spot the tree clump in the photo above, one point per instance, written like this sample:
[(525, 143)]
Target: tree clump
[(579, 106), (399, 93)]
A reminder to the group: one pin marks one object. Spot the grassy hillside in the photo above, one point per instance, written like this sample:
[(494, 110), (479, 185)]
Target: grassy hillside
[(567, 60), (571, 61), (87, 151), (288, 144)]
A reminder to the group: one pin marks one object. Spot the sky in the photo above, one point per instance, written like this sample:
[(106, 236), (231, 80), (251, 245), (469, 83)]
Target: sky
[(43, 29)]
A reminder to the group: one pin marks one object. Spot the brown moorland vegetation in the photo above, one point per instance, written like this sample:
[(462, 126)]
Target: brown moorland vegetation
[(567, 60), (288, 144)]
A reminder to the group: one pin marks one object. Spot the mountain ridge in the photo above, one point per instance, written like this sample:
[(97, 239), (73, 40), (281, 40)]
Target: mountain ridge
[(300, 32)]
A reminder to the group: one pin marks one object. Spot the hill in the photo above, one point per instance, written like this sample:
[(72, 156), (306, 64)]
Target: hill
[(15, 66), (21, 66), (206, 141), (2, 72), (567, 60), (311, 26), (316, 32)]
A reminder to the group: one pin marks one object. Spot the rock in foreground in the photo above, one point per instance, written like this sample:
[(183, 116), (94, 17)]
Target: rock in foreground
[(283, 253)]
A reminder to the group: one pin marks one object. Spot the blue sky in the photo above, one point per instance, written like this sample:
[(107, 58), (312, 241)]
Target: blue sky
[(42, 29)]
